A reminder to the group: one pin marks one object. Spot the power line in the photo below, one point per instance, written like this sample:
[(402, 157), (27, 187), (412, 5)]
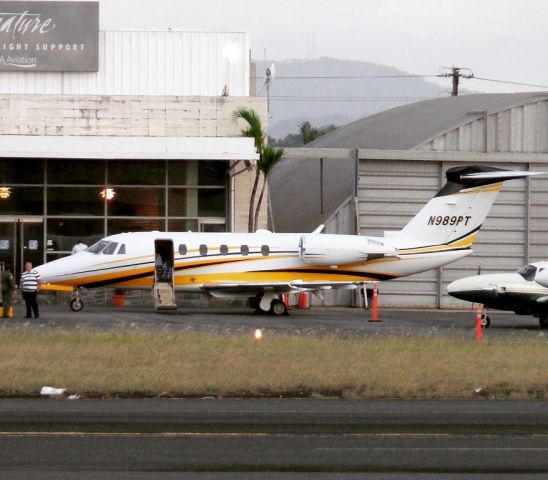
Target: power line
[(452, 74), (343, 77), (510, 82), (293, 98)]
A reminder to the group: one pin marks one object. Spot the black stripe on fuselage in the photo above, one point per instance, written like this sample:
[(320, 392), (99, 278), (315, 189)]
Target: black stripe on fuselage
[(137, 276)]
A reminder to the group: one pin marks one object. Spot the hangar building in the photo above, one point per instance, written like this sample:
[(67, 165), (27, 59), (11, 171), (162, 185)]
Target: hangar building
[(376, 173), (109, 131)]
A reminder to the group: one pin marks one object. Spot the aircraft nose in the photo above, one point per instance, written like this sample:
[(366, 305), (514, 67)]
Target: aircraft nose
[(54, 271), (463, 288), (454, 287), (45, 272)]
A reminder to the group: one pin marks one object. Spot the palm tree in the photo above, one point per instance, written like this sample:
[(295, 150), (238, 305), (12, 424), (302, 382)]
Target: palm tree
[(271, 156), (267, 158)]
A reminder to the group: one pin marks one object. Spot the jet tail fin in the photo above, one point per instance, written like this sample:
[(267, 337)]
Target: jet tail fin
[(458, 210)]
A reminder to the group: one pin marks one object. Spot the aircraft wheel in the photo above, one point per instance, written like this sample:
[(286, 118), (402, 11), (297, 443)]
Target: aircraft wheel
[(76, 305), (485, 321), (277, 307), (543, 321)]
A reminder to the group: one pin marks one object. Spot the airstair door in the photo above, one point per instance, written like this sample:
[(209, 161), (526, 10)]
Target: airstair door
[(163, 290)]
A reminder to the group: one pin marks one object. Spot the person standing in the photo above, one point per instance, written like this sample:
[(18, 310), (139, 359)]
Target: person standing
[(8, 286), (30, 283), (78, 247)]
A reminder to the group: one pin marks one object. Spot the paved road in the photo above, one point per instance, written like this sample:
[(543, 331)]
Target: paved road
[(76, 439), (345, 321)]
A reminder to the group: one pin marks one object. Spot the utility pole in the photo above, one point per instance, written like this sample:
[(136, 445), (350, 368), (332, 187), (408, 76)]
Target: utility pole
[(268, 82), (456, 73)]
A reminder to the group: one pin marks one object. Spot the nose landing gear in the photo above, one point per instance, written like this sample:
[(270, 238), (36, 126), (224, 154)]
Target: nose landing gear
[(76, 304)]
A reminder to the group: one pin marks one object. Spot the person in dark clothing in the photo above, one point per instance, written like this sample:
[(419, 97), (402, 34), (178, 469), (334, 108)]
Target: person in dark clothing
[(8, 286)]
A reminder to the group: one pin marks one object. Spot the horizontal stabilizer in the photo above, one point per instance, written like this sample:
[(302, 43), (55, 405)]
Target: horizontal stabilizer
[(498, 175)]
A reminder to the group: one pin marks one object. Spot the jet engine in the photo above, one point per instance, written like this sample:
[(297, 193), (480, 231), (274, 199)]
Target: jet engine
[(335, 250)]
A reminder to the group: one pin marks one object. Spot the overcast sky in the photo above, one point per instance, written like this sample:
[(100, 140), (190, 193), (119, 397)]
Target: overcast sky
[(497, 39)]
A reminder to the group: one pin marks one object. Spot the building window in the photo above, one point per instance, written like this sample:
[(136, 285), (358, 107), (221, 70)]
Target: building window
[(177, 225), (212, 173), (148, 195), (23, 200), (75, 201), (76, 172), (21, 170), (140, 172), (141, 202), (212, 202), (122, 225), (63, 233)]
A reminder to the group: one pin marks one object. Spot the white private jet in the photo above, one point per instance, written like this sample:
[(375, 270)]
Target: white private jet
[(262, 266), (524, 292)]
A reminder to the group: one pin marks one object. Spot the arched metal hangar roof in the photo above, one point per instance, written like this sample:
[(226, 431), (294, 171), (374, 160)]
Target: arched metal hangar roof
[(410, 126)]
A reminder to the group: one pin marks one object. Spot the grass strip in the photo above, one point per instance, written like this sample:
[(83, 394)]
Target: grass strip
[(121, 363)]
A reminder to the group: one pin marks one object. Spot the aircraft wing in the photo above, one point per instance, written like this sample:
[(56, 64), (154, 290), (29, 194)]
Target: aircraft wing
[(246, 287), (276, 287)]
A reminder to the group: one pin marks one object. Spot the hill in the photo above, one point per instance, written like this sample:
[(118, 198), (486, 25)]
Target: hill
[(325, 100)]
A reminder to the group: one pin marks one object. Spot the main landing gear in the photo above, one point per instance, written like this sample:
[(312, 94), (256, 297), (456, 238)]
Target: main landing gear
[(268, 303)]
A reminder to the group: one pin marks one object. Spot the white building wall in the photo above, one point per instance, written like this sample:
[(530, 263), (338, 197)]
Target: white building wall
[(159, 116), (183, 63)]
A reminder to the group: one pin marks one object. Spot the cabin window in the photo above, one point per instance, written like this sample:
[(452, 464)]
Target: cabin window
[(203, 250), (265, 250), (110, 248), (122, 250), (224, 249), (182, 249), (244, 249)]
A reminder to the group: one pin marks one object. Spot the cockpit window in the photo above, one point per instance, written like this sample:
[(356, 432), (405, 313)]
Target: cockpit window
[(122, 250), (105, 247), (110, 248), (528, 272), (97, 247)]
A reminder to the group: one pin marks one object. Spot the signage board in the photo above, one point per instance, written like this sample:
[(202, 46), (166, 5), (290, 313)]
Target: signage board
[(46, 36)]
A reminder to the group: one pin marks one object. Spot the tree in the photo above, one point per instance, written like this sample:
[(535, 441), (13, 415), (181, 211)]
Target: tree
[(271, 156), (310, 133), (255, 130)]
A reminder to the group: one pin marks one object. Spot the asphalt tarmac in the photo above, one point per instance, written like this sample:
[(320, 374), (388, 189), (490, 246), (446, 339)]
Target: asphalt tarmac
[(230, 439), (274, 439), (234, 319)]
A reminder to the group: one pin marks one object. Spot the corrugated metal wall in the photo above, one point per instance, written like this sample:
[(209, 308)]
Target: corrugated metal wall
[(391, 192), (521, 129), (184, 63)]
